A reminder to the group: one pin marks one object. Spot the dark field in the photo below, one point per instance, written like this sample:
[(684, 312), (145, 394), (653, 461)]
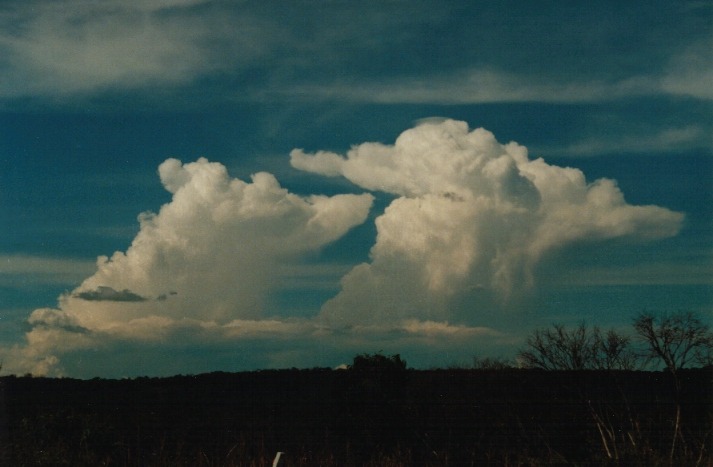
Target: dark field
[(343, 418)]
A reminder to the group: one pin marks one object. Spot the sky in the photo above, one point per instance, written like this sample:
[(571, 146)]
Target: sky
[(199, 185)]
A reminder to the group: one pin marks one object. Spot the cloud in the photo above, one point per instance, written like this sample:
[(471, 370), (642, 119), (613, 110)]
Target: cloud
[(206, 264), (71, 48), (443, 328), (77, 47), (456, 249), (691, 71), (681, 271), (217, 245), (656, 141), (479, 86), (471, 221), (484, 85), (57, 346)]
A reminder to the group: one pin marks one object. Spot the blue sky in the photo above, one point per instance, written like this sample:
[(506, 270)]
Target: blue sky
[(191, 186)]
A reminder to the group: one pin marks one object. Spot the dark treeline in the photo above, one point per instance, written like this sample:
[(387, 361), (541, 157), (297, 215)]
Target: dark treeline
[(366, 415)]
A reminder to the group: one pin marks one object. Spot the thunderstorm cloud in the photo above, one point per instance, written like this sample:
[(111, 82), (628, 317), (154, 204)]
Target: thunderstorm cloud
[(210, 257), (468, 222), (471, 220)]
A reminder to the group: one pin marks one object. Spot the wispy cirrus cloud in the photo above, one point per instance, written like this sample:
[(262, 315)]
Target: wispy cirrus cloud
[(690, 72), (57, 49), (488, 85), (653, 141), (471, 86), (260, 52)]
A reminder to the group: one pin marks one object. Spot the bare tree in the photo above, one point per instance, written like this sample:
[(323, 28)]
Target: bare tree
[(492, 363), (579, 348), (613, 351), (558, 348), (677, 340)]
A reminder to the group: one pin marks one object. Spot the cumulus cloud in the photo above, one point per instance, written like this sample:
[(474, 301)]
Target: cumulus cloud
[(472, 218), (207, 261), (460, 243), (214, 249)]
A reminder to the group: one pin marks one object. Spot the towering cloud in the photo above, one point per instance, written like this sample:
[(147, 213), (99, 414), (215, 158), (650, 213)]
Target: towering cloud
[(469, 222), (206, 261), (472, 218), (213, 252)]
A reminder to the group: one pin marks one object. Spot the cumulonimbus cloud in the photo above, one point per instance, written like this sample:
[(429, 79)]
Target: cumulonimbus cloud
[(212, 251), (207, 261), (470, 221), (472, 217)]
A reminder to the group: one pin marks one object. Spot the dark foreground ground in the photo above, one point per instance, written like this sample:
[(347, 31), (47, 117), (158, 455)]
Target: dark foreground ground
[(343, 418)]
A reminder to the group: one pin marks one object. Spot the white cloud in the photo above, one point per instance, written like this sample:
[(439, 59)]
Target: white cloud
[(691, 72), (76, 46), (473, 218), (435, 328), (213, 252), (67, 47), (457, 247), (206, 262)]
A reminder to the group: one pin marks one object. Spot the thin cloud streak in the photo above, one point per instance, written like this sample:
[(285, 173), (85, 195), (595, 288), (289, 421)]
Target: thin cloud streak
[(472, 87), (75, 48), (491, 86), (655, 142), (660, 273)]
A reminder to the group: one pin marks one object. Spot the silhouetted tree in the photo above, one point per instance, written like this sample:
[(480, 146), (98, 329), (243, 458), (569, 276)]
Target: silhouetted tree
[(558, 349), (378, 362), (491, 363), (613, 351), (580, 348), (677, 339)]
